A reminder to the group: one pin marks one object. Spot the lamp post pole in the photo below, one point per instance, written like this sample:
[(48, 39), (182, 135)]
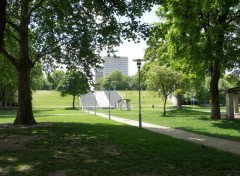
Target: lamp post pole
[(95, 99), (139, 62), (109, 111)]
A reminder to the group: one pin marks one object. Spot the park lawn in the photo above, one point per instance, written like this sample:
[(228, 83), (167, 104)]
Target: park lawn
[(147, 99), (194, 120), (72, 142), (46, 98)]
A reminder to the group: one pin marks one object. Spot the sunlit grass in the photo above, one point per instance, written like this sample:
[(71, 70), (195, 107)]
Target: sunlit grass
[(43, 99)]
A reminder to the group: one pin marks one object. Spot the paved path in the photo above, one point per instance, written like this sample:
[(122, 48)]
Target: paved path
[(218, 143)]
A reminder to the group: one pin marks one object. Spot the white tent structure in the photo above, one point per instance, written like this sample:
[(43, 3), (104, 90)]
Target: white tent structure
[(100, 100)]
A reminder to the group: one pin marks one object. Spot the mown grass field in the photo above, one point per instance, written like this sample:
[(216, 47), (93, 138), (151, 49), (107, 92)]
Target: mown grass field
[(190, 118), (70, 142)]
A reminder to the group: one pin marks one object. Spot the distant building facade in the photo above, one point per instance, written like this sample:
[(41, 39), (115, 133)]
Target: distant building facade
[(112, 64)]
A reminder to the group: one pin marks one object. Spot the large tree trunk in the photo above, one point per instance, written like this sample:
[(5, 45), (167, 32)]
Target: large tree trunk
[(214, 92), (24, 112), (24, 66), (3, 93), (2, 21)]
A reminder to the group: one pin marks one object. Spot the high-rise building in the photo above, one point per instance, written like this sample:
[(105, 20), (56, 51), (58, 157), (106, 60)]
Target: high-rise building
[(112, 64)]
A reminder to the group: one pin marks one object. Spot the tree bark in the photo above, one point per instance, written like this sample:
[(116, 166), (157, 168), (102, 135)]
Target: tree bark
[(179, 101), (2, 21), (214, 92), (73, 103), (3, 93), (24, 67), (24, 112), (164, 107)]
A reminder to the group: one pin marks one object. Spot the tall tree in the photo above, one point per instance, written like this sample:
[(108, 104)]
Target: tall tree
[(69, 32), (204, 37), (75, 83)]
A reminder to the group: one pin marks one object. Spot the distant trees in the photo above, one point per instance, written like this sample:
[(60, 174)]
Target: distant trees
[(8, 83), (55, 78), (119, 82)]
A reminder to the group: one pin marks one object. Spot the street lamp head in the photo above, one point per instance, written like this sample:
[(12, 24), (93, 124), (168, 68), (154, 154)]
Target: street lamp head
[(139, 62)]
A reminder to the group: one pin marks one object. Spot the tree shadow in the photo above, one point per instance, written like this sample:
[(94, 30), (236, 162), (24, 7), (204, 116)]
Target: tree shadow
[(71, 108), (186, 112), (108, 149)]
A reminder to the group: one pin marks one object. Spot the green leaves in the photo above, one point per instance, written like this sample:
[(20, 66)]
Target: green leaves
[(75, 83)]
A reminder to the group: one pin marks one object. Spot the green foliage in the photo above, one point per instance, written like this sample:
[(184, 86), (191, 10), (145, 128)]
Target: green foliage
[(74, 83), (163, 80), (201, 36), (55, 78), (71, 32), (117, 81), (8, 83)]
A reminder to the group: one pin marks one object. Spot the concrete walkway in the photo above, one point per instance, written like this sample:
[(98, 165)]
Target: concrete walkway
[(218, 143)]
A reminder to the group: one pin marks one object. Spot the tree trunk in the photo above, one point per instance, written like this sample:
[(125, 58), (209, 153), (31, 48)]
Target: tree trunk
[(73, 103), (3, 93), (179, 101), (24, 66), (214, 93), (164, 107), (24, 112), (2, 21)]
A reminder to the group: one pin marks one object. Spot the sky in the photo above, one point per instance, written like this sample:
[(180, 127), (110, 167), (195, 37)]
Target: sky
[(136, 50)]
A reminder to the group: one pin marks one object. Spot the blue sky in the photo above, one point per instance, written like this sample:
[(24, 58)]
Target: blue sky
[(136, 50)]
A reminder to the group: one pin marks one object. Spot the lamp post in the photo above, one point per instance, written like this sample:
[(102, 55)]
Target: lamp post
[(95, 98), (109, 111), (139, 63)]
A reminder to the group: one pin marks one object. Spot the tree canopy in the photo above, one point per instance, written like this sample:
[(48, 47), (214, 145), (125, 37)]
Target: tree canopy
[(70, 32), (74, 83), (163, 81), (202, 36)]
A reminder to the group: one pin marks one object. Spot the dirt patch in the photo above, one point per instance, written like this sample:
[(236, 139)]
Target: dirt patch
[(15, 142), (58, 173)]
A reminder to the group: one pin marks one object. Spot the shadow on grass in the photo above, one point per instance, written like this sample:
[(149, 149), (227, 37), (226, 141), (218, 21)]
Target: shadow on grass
[(71, 108), (227, 124), (110, 149), (186, 113)]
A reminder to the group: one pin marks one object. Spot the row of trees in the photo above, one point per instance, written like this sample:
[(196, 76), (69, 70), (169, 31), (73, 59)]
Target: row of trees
[(196, 37), (200, 38)]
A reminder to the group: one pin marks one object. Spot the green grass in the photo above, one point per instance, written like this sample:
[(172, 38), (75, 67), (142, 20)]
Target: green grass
[(83, 144), (78, 143), (196, 121), (147, 99), (53, 99)]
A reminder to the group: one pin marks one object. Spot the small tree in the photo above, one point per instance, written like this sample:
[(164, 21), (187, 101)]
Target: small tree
[(75, 83), (161, 80)]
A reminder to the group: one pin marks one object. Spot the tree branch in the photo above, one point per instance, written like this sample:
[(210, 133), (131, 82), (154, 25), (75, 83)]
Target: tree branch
[(14, 26), (35, 7), (10, 57)]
